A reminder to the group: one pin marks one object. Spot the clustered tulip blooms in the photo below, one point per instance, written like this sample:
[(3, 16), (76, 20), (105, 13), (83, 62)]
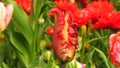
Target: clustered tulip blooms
[(68, 17), (114, 49), (5, 15)]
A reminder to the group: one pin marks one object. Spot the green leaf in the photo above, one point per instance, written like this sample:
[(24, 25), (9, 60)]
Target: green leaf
[(18, 42), (95, 39), (21, 20), (38, 6), (5, 65), (103, 57), (73, 64)]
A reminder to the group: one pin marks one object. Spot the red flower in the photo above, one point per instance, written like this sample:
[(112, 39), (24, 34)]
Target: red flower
[(110, 21), (25, 4), (98, 9), (64, 36), (49, 31), (103, 15), (68, 7), (114, 49), (77, 16)]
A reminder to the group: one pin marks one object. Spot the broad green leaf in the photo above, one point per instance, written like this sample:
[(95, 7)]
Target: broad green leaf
[(38, 5), (21, 20), (21, 50), (5, 65)]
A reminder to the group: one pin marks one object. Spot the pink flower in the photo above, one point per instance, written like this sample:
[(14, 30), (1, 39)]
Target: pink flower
[(80, 65), (114, 49), (5, 15)]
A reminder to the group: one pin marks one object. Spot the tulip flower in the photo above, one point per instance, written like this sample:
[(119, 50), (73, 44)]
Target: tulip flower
[(102, 18), (78, 16), (64, 31), (108, 21), (5, 15), (25, 4), (114, 49), (64, 36)]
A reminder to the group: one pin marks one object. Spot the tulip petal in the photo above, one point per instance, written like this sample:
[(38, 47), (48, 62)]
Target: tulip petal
[(114, 49), (9, 11), (2, 16)]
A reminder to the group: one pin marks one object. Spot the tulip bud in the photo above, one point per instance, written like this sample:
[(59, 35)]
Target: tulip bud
[(114, 49), (5, 15)]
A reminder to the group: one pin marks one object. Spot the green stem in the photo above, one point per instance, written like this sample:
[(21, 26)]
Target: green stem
[(34, 26), (83, 52)]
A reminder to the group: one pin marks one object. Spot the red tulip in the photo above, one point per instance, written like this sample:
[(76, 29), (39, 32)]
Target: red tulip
[(79, 17), (102, 18), (67, 18), (5, 15), (108, 21), (114, 49), (25, 4), (97, 9), (64, 36)]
